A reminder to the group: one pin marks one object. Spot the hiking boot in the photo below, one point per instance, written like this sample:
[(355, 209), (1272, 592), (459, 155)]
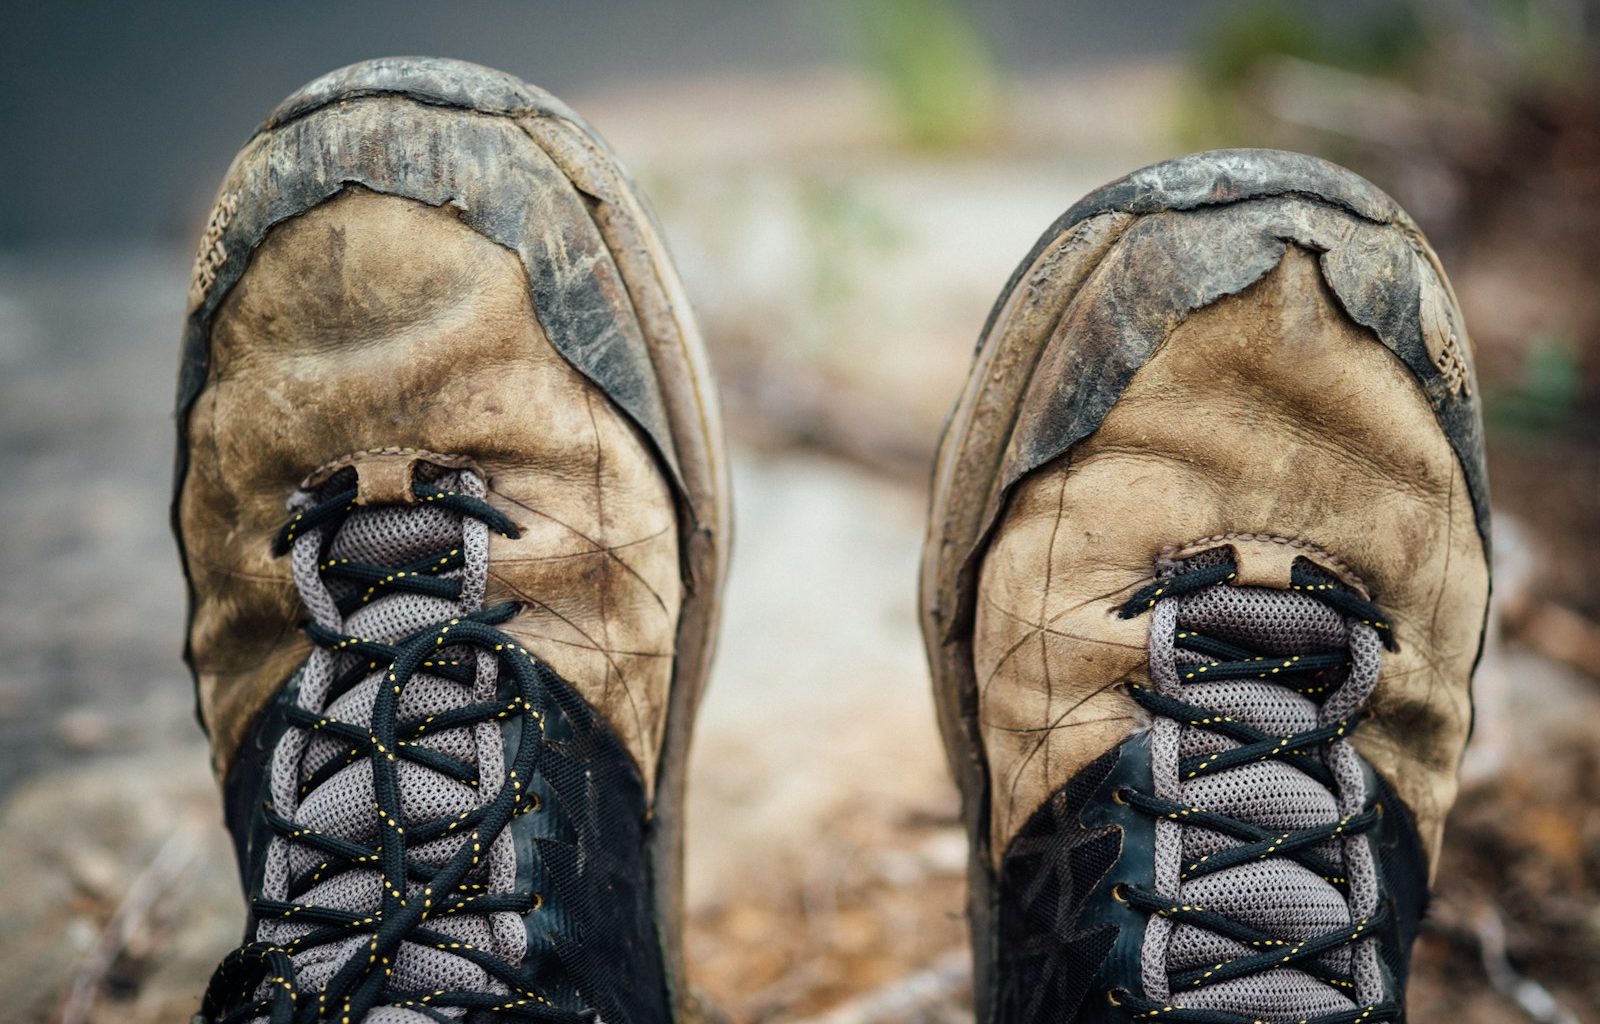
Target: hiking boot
[(1204, 587), (451, 503)]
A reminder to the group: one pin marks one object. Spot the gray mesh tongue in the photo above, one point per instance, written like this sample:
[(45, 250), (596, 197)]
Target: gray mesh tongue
[(1275, 895), (343, 805)]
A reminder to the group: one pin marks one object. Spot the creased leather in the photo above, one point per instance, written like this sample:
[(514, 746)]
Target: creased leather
[(374, 321), (1268, 412)]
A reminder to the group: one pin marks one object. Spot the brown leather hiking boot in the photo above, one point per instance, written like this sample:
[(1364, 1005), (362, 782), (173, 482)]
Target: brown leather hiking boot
[(451, 501), (1204, 587)]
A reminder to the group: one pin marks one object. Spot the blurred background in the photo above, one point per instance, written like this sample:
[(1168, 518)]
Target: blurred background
[(846, 186)]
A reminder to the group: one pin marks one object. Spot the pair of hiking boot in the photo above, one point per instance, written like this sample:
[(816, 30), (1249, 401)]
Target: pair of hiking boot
[(1204, 584)]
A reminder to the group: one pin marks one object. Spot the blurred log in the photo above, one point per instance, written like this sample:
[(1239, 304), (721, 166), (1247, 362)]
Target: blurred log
[(139, 906), (911, 997), (1532, 998), (1554, 631)]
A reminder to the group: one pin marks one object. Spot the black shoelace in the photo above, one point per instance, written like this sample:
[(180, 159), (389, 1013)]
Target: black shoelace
[(1306, 674), (258, 980)]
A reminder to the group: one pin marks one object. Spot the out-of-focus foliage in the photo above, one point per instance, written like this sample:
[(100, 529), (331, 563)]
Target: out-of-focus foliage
[(1547, 394), (1545, 38), (934, 65), (842, 225), (1381, 41)]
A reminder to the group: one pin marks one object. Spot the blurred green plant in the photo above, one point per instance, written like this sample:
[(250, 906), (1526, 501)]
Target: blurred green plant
[(1549, 393), (1381, 40), (843, 225), (933, 64), (1244, 38), (1546, 38), (1493, 48)]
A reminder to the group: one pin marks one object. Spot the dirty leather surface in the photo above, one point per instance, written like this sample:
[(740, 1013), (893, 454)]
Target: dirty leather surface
[(1267, 413), (373, 321)]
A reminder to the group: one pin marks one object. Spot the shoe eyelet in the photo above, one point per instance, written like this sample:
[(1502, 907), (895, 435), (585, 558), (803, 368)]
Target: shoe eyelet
[(1120, 795), (538, 902), (1114, 996), (1119, 892)]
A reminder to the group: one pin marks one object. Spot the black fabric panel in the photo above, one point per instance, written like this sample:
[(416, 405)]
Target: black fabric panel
[(1402, 880), (247, 787), (1064, 940), (592, 943)]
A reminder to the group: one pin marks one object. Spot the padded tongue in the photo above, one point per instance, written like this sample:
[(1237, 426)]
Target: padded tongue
[(343, 804), (1275, 895)]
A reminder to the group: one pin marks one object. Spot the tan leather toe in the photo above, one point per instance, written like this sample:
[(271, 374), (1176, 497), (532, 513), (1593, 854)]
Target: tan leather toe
[(1245, 347), (377, 322), (1269, 422)]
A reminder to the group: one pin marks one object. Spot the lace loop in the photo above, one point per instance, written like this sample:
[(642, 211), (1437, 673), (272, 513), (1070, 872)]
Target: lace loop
[(343, 502)]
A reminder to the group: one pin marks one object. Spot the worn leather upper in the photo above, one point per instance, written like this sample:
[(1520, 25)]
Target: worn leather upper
[(377, 322), (1270, 420), (420, 258)]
